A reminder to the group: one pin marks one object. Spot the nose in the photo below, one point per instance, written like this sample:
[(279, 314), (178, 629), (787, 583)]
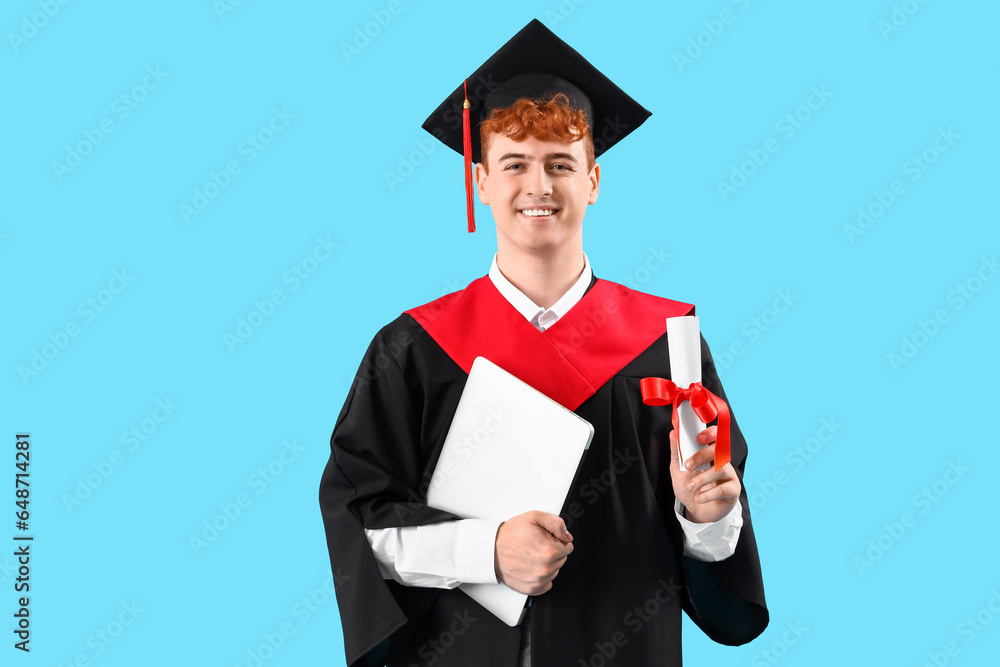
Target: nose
[(539, 183)]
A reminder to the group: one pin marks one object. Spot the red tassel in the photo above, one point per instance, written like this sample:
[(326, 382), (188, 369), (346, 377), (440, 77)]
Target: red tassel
[(467, 150)]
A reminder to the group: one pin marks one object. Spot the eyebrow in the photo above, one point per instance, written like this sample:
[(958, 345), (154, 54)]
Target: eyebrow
[(550, 156)]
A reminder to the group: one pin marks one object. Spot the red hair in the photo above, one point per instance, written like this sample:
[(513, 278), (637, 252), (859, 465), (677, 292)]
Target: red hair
[(552, 120)]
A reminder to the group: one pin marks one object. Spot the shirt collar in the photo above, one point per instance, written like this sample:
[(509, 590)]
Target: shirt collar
[(540, 317)]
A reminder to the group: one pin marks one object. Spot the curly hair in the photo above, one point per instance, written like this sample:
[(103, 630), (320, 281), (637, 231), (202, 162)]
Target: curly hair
[(551, 120)]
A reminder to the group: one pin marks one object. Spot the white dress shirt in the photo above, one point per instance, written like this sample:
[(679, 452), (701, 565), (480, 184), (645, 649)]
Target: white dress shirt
[(449, 553)]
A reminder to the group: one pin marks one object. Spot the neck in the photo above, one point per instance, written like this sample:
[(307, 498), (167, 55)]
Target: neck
[(542, 277)]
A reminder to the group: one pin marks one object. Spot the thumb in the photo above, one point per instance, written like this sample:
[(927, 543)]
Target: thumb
[(674, 465), (554, 525)]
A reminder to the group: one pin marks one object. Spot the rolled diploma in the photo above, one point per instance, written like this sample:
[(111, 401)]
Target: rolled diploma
[(684, 346)]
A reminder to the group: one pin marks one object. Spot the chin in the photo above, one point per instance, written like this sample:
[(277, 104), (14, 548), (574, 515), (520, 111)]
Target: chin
[(541, 240), (541, 236)]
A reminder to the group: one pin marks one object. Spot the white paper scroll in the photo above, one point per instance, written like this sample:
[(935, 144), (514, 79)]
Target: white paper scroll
[(684, 345)]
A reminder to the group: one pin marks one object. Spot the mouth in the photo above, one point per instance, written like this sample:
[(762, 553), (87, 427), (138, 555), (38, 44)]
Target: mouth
[(538, 213)]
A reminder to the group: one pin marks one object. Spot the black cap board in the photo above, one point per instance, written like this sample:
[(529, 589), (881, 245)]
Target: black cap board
[(535, 63)]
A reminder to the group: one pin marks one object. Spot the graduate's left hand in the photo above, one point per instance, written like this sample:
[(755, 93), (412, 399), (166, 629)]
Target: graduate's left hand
[(707, 495)]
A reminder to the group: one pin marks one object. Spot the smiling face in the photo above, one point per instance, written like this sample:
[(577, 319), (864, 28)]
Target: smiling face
[(538, 192)]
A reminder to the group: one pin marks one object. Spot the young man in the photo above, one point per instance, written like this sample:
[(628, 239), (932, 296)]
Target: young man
[(638, 539)]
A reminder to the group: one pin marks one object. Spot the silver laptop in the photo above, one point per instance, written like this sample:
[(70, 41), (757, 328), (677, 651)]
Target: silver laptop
[(510, 449)]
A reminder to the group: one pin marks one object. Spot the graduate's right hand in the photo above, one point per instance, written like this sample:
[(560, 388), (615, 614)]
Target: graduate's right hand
[(530, 549)]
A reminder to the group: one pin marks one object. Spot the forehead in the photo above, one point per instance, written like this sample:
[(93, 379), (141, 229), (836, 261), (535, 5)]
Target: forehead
[(532, 148)]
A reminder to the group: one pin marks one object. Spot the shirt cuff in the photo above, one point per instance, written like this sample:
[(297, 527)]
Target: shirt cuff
[(711, 541), (475, 548), (437, 555)]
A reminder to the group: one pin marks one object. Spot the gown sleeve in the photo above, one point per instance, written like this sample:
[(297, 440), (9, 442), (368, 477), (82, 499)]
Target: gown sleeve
[(726, 598), (373, 480)]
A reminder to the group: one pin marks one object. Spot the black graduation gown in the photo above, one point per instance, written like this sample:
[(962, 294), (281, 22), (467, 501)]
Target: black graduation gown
[(618, 598)]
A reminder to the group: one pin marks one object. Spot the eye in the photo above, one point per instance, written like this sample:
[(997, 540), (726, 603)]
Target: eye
[(513, 166), (562, 167)]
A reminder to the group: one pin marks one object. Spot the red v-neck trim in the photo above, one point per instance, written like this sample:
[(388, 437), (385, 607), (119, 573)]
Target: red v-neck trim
[(609, 327)]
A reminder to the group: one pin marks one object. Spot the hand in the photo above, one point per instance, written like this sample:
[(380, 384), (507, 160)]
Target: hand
[(708, 495), (530, 549)]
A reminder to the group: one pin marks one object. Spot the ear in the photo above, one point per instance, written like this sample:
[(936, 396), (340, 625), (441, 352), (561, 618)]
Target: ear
[(595, 183), (481, 181)]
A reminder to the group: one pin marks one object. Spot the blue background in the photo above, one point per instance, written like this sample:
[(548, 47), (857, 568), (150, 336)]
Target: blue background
[(351, 168)]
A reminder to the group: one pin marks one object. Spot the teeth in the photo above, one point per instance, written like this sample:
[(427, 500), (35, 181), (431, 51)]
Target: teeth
[(537, 211)]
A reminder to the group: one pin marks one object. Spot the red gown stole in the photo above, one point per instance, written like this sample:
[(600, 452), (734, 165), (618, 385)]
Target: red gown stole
[(568, 362)]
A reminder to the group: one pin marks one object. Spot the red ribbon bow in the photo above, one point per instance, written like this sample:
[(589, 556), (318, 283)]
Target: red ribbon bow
[(706, 406)]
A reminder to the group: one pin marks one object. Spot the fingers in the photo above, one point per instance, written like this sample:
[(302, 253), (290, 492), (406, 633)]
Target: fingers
[(704, 456), (711, 475), (552, 524), (713, 484), (539, 589), (555, 553), (729, 490), (531, 548)]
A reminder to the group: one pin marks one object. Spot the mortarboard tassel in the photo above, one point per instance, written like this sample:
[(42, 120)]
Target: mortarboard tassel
[(467, 150)]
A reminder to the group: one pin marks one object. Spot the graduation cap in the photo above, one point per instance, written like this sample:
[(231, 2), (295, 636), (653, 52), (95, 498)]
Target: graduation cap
[(535, 64)]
